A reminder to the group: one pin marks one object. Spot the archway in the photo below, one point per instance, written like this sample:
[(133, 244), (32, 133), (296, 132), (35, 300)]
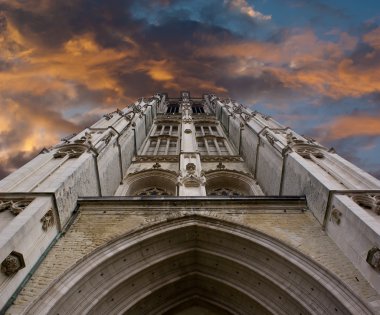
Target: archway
[(231, 183), (151, 182), (198, 261)]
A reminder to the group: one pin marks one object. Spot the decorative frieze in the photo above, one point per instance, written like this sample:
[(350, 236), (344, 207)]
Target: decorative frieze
[(47, 220), (12, 263), (157, 158), (221, 158), (187, 119), (15, 206)]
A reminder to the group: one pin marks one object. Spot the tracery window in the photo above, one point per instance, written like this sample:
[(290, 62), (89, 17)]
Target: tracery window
[(163, 140), (152, 191), (206, 130), (211, 141), (173, 109), (224, 192), (197, 109)]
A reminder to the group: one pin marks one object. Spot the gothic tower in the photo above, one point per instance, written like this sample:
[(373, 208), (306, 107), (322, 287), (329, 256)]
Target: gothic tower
[(189, 205)]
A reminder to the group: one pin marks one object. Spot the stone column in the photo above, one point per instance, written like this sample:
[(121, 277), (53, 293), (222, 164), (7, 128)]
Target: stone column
[(191, 182)]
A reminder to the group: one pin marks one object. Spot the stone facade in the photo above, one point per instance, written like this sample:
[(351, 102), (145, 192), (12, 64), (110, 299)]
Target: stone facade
[(200, 203)]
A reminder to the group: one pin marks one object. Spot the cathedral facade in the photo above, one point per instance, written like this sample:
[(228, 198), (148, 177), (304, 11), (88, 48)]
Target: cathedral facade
[(189, 205)]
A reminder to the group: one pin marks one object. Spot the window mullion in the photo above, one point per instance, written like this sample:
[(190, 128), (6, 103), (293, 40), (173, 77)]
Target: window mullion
[(167, 146), (217, 146), (206, 144), (157, 147)]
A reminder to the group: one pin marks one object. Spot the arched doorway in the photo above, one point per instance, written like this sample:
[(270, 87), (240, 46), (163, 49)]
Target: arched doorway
[(197, 262)]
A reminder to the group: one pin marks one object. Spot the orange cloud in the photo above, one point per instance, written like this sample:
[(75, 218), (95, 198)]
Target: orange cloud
[(302, 60), (80, 60), (157, 70), (349, 126), (373, 38)]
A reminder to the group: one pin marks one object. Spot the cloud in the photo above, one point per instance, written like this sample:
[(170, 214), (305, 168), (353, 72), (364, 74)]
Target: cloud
[(63, 63), (350, 126), (245, 8)]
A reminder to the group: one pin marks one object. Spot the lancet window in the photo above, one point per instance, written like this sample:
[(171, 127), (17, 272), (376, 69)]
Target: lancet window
[(163, 140), (197, 109), (173, 109), (211, 141)]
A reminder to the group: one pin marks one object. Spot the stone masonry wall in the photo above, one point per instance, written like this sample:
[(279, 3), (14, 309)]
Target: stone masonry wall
[(96, 225)]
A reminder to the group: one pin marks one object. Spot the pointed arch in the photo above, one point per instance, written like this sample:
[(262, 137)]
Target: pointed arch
[(238, 183), (141, 182), (164, 266)]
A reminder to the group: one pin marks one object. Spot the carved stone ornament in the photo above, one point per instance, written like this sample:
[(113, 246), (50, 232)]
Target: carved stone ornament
[(368, 201), (15, 206), (44, 150), (266, 117), (67, 138), (247, 117), (136, 109), (71, 151), (107, 138), (86, 139), (220, 166), (13, 263), (373, 258), (108, 116), (190, 168), (271, 139), (308, 151), (335, 216), (192, 181), (185, 95), (156, 165), (213, 97), (47, 220), (238, 109)]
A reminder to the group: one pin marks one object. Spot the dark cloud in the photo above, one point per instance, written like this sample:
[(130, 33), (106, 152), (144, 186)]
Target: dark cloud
[(15, 161), (264, 86)]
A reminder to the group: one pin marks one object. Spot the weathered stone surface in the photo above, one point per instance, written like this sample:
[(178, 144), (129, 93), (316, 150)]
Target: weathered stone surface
[(206, 146), (98, 224)]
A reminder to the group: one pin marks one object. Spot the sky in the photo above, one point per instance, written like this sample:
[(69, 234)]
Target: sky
[(313, 65)]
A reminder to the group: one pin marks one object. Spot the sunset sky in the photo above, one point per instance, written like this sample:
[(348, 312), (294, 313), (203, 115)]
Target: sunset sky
[(314, 65)]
